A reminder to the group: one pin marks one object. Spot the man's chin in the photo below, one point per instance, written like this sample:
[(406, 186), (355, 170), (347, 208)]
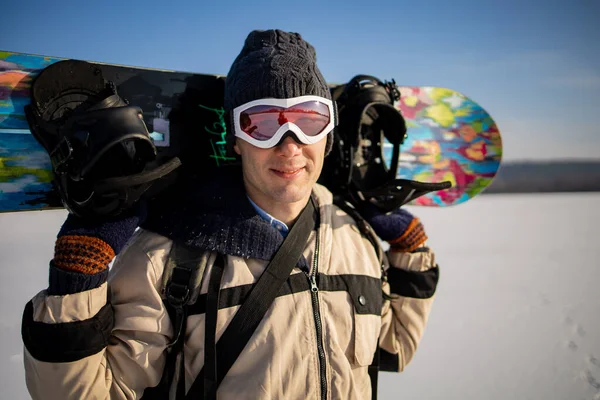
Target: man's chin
[(290, 195)]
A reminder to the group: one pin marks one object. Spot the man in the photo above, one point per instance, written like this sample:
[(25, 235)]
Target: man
[(316, 340)]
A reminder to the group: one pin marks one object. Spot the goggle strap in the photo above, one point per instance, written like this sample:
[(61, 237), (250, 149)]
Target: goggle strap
[(335, 113)]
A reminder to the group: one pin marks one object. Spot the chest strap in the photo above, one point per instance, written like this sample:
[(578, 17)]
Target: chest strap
[(251, 312)]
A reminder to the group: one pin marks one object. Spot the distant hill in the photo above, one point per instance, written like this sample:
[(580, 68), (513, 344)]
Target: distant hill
[(550, 176)]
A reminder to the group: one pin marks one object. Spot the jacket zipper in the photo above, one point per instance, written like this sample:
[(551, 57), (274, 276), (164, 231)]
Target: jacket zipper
[(314, 292)]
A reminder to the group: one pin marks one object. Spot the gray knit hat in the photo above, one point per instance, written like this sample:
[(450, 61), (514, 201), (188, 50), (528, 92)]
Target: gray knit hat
[(275, 64)]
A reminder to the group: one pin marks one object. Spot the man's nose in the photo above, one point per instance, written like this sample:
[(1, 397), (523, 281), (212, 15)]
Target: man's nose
[(289, 144), (289, 134)]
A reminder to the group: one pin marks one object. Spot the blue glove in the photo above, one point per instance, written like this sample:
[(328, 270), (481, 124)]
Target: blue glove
[(115, 233), (402, 230), (84, 248)]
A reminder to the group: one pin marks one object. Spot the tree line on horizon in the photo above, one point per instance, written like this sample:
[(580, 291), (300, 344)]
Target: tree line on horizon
[(546, 176)]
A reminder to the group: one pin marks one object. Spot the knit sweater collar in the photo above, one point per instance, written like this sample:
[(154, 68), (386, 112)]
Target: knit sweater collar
[(215, 215)]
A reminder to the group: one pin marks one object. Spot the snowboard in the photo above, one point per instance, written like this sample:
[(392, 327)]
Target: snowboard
[(450, 137)]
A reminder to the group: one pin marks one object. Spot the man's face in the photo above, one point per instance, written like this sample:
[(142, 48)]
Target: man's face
[(285, 173)]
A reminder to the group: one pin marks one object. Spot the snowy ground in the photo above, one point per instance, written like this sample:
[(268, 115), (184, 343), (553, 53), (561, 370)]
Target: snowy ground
[(517, 314)]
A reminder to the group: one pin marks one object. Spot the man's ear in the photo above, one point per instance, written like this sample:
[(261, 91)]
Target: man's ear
[(236, 148)]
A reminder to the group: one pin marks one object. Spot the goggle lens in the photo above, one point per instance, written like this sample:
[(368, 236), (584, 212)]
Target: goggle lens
[(261, 122)]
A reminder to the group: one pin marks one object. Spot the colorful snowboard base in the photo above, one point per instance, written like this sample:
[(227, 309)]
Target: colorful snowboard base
[(450, 137)]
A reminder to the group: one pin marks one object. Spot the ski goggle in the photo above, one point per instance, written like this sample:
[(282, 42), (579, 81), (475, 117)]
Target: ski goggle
[(264, 122)]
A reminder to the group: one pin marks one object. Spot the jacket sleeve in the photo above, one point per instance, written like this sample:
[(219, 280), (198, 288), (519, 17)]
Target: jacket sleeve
[(411, 284), (107, 342)]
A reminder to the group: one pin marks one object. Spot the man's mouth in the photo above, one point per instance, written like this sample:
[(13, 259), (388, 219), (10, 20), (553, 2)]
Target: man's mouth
[(287, 172)]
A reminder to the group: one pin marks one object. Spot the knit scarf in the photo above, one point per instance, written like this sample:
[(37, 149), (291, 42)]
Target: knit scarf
[(214, 214)]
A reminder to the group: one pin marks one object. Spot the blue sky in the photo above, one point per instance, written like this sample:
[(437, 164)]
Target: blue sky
[(534, 65)]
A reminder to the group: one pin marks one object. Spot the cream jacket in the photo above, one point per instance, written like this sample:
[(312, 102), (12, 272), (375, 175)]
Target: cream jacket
[(281, 360)]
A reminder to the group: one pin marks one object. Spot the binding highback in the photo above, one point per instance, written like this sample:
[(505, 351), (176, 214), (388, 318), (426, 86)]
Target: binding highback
[(367, 117), (102, 156)]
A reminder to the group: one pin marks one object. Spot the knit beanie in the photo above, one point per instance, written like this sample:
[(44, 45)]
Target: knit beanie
[(275, 64)]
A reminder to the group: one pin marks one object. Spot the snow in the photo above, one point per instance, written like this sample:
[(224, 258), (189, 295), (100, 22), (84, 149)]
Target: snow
[(517, 313)]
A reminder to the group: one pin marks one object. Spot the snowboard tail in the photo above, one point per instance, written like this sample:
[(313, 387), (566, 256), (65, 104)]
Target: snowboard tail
[(450, 137)]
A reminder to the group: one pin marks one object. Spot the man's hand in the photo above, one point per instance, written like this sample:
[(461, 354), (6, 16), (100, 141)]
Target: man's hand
[(402, 230), (85, 247)]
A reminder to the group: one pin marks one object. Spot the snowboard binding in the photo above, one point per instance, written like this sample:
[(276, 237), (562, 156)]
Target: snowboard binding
[(99, 146), (355, 170)]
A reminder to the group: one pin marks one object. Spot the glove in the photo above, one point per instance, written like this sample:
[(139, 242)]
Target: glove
[(84, 249), (402, 230)]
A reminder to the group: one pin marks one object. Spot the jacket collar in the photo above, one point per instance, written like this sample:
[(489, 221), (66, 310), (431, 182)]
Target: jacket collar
[(214, 214)]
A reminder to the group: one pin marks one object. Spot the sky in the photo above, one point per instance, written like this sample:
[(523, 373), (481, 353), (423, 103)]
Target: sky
[(533, 65)]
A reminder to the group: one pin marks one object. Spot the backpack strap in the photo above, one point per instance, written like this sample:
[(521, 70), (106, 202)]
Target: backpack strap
[(181, 282), (184, 273), (259, 300), (210, 328), (182, 279), (368, 232), (374, 373), (364, 228)]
